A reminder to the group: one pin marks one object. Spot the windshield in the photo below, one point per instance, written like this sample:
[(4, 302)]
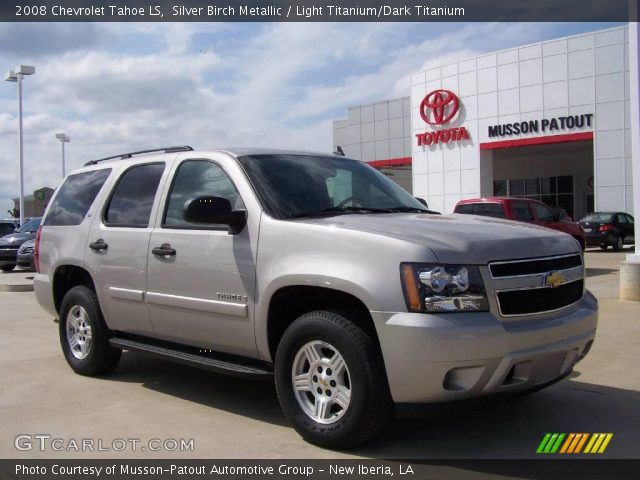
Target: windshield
[(31, 226), (292, 186), (598, 217)]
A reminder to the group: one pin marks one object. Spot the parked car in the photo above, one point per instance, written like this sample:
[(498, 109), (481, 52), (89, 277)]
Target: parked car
[(522, 210), (606, 229), (7, 227), (25, 255), (314, 271), (9, 244)]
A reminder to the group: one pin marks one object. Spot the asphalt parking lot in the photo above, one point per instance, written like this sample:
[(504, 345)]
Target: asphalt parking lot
[(147, 398)]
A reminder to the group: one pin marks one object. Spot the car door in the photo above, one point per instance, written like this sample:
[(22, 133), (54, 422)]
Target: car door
[(117, 248), (201, 282)]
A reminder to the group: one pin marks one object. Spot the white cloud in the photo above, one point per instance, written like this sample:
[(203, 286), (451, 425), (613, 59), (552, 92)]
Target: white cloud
[(130, 86)]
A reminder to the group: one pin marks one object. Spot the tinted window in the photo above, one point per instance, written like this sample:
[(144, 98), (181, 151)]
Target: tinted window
[(75, 197), (6, 228), (489, 210), (30, 226), (629, 218), (620, 218), (198, 178), (500, 188), (132, 199), (467, 208), (298, 185), (543, 213), (598, 218), (521, 211)]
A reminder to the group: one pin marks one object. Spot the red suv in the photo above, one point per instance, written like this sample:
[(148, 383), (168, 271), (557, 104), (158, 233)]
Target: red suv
[(523, 210)]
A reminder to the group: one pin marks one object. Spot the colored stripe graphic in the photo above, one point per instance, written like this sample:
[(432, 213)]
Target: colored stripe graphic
[(573, 443)]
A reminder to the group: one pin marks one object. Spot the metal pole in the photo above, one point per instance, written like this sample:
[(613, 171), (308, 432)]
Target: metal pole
[(634, 74), (21, 153), (63, 166)]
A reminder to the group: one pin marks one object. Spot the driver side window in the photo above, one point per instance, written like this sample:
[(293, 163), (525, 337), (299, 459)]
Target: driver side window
[(197, 178)]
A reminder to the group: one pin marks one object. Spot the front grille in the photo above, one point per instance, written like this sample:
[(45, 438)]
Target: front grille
[(25, 251), (539, 300), (532, 267)]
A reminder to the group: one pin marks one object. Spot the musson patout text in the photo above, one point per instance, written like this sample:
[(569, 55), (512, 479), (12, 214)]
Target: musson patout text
[(204, 470)]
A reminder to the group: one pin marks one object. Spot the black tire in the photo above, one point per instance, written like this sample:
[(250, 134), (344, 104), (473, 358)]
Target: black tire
[(101, 356), (7, 268), (618, 244), (603, 246), (370, 407)]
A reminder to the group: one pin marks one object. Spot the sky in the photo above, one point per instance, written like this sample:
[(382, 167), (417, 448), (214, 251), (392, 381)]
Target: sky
[(117, 87)]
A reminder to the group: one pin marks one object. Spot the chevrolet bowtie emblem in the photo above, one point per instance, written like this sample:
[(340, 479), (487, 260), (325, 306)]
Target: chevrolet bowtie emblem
[(555, 279)]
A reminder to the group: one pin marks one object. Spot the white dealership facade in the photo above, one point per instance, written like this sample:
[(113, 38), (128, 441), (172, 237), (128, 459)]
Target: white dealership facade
[(549, 121)]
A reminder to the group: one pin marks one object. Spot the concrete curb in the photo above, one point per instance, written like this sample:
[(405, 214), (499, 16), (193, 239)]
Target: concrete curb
[(16, 288)]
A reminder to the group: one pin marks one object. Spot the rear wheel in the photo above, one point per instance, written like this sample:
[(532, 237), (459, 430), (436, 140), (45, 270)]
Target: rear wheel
[(84, 336), (603, 246), (331, 381), (618, 244), (7, 268)]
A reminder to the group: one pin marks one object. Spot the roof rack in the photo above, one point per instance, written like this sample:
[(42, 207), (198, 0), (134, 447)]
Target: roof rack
[(122, 156)]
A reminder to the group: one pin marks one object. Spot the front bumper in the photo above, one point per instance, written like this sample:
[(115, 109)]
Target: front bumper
[(449, 357), (8, 256), (25, 260)]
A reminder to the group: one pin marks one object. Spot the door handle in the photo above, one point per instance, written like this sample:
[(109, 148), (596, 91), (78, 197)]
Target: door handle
[(99, 245), (164, 250)]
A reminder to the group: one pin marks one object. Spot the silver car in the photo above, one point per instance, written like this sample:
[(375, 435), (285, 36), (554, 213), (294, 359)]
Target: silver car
[(315, 270)]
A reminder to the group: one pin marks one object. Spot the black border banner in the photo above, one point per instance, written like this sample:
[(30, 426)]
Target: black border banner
[(318, 10), (591, 469)]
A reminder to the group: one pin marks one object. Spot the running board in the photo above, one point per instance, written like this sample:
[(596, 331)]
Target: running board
[(219, 363)]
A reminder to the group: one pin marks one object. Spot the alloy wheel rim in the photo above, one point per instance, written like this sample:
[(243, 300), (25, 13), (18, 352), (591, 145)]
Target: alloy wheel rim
[(321, 382), (79, 332)]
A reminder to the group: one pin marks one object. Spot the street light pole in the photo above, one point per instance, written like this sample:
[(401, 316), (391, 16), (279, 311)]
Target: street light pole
[(63, 139), (11, 76)]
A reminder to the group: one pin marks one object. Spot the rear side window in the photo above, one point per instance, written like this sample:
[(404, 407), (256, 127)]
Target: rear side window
[(75, 197), (132, 199), (467, 208), (521, 211), (489, 210)]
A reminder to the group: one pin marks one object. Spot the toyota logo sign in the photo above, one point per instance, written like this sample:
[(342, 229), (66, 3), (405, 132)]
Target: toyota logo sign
[(439, 106)]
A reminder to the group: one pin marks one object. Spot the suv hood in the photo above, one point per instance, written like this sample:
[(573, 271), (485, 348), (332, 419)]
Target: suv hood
[(461, 238)]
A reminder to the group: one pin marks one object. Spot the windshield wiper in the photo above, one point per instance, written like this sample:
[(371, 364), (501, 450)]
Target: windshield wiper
[(341, 210), (407, 209)]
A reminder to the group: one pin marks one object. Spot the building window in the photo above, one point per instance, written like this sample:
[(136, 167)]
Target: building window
[(552, 191)]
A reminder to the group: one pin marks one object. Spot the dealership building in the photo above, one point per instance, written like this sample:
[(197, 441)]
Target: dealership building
[(549, 121)]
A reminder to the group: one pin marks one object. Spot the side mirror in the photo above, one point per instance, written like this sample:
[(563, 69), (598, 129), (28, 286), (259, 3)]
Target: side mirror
[(557, 216), (422, 201), (215, 211)]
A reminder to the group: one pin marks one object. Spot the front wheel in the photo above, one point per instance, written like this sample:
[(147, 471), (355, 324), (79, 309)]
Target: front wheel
[(7, 268), (331, 381), (84, 335)]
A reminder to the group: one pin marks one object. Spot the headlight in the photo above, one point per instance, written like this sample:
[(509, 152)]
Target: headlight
[(435, 288)]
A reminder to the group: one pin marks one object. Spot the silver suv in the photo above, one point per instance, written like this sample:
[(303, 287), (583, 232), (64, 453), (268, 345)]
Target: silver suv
[(315, 270)]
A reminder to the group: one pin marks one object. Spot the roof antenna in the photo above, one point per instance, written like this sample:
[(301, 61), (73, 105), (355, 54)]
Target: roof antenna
[(339, 151)]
